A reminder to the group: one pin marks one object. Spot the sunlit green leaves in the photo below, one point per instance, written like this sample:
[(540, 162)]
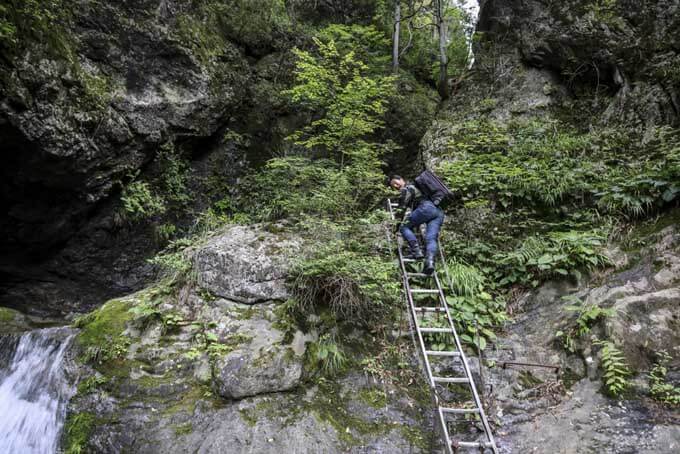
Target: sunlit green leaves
[(349, 103)]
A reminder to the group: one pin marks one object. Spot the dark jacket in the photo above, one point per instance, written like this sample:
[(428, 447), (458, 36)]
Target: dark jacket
[(409, 198)]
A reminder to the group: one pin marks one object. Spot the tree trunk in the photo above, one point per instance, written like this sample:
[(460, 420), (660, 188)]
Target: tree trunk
[(395, 36), (443, 85)]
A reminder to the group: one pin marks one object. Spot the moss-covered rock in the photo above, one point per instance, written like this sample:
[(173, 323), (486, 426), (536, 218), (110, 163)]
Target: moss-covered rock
[(12, 321), (77, 431), (144, 384)]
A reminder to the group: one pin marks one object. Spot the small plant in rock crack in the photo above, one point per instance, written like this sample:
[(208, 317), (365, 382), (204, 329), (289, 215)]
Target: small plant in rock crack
[(615, 368), (205, 340), (328, 355), (587, 316), (660, 389)]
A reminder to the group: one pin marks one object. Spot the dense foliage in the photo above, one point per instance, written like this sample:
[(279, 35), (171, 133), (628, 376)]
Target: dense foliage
[(331, 183), (548, 166), (475, 312), (550, 194)]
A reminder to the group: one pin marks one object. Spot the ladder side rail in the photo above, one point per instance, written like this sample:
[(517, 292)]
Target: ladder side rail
[(466, 366), (421, 342)]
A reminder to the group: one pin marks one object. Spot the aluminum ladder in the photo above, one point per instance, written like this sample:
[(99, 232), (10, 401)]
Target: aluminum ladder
[(443, 411)]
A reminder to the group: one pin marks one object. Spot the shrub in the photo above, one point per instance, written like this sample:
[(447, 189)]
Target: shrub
[(350, 100), (167, 191), (357, 288), (140, 202)]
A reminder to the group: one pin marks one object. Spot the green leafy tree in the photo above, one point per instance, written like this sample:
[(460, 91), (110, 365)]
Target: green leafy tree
[(332, 180), (349, 103)]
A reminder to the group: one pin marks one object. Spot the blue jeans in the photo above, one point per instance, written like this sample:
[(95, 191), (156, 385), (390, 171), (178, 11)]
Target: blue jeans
[(425, 212)]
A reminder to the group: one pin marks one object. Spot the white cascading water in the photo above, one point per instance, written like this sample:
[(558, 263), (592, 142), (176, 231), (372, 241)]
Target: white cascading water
[(34, 391)]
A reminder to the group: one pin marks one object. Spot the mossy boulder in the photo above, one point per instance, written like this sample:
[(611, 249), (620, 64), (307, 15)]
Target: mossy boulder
[(13, 321)]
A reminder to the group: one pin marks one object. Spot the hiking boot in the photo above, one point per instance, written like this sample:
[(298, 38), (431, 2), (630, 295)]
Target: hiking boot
[(428, 268), (414, 251)]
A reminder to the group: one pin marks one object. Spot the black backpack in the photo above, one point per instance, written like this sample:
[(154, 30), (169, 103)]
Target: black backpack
[(434, 188)]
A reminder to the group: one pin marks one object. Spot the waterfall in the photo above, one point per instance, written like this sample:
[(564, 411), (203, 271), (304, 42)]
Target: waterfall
[(34, 390)]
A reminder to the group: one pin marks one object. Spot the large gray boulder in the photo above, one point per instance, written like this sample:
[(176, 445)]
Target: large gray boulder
[(246, 264), (242, 374)]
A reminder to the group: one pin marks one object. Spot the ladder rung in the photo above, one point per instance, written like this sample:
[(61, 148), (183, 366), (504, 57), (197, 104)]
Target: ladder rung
[(392, 204), (429, 309), (418, 275), (441, 353), (405, 260), (459, 411), (436, 330), (424, 290), (473, 444), (451, 379)]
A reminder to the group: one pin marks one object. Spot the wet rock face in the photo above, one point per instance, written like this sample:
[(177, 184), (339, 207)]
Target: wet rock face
[(75, 129), (644, 295), (620, 49), (75, 124)]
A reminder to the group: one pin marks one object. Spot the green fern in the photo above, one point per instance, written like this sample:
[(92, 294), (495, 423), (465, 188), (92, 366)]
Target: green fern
[(465, 280), (660, 389), (615, 368)]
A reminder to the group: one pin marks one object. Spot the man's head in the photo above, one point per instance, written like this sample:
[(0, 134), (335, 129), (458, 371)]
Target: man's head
[(396, 182)]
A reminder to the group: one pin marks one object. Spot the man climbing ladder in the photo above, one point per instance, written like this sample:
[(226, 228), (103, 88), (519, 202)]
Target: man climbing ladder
[(423, 199), (445, 368)]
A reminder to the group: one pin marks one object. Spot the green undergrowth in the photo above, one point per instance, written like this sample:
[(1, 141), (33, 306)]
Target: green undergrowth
[(661, 389), (549, 167), (539, 199), (77, 430), (102, 336), (330, 184)]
